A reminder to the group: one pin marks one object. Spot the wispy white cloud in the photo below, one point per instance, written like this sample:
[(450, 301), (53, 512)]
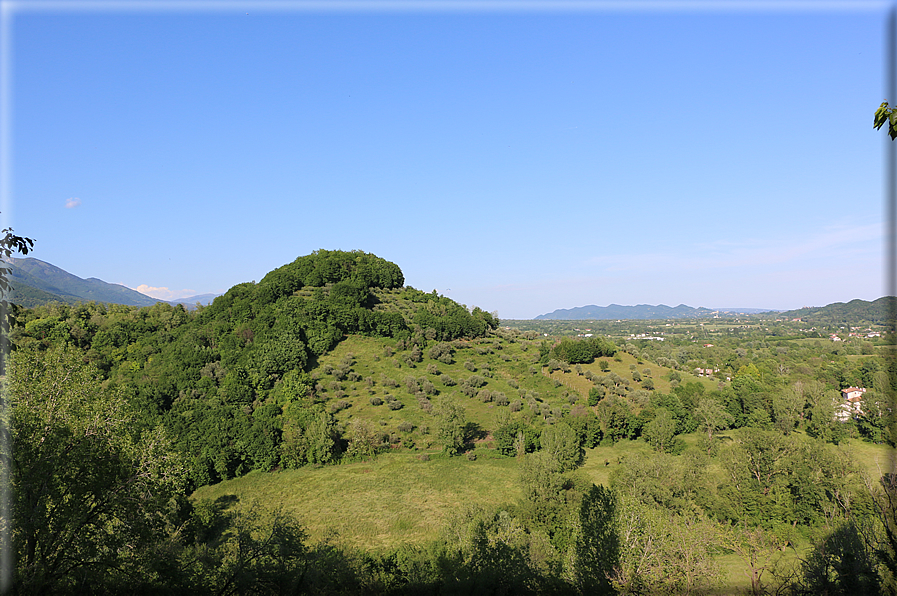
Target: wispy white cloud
[(164, 293), (73, 202)]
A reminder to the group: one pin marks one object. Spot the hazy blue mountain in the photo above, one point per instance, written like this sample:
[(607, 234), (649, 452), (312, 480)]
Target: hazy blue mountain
[(34, 282), (642, 311), (29, 274), (190, 302)]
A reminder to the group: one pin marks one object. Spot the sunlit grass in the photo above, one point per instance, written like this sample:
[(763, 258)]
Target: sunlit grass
[(394, 499)]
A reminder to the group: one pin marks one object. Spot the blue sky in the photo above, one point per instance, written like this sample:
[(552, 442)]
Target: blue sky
[(520, 160)]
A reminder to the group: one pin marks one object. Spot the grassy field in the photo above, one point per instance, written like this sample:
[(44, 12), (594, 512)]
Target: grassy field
[(399, 499), (394, 499)]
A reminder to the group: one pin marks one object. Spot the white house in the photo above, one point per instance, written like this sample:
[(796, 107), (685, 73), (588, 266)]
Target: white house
[(850, 403)]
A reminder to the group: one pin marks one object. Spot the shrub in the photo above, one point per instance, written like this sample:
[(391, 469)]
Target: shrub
[(471, 456), (441, 352), (468, 390), (512, 383), (516, 406), (429, 388), (354, 376), (475, 381), (338, 406), (500, 398), (446, 380), (395, 405), (406, 427), (376, 401), (411, 384), (423, 457), (484, 395), (416, 354), (432, 369), (469, 365)]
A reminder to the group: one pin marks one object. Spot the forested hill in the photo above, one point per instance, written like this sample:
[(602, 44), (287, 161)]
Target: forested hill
[(249, 351), (856, 312), (615, 311)]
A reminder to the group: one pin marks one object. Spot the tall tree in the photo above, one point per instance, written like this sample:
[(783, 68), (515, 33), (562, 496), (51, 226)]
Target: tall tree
[(89, 490), (452, 425), (711, 415)]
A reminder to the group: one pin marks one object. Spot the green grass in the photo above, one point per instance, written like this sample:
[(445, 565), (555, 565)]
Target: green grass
[(602, 460), (394, 499), (874, 459), (399, 499)]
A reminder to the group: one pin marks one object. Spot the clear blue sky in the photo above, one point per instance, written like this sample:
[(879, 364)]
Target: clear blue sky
[(518, 160)]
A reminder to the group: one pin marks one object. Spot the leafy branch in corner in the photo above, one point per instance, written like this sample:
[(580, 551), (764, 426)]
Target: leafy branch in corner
[(9, 244), (883, 114)]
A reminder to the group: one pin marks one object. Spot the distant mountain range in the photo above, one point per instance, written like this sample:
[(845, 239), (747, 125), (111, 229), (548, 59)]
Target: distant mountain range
[(34, 282), (641, 311)]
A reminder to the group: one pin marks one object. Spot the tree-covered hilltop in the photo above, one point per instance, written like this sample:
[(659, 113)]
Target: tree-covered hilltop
[(232, 378)]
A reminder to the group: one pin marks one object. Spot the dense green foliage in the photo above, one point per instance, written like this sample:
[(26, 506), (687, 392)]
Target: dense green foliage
[(740, 445), (582, 351)]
